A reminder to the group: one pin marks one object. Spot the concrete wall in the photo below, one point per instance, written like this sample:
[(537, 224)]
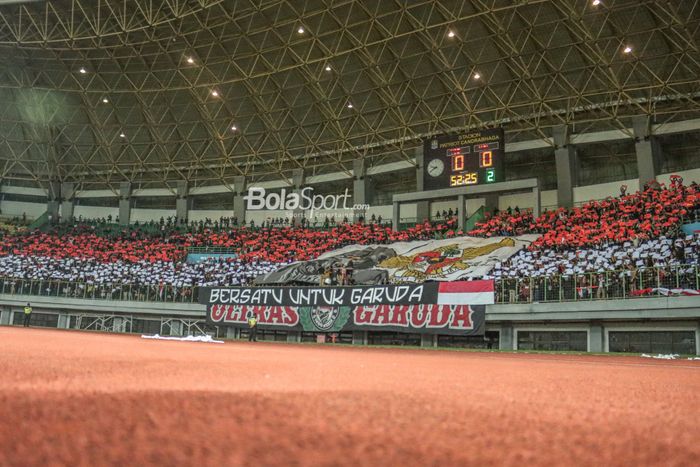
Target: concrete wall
[(146, 215), (524, 200), (93, 212), (17, 208), (200, 215), (596, 318)]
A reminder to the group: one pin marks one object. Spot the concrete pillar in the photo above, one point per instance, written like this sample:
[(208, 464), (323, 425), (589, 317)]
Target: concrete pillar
[(422, 211), (566, 165), (395, 216), (359, 337), (505, 341), (6, 317), (298, 180), (596, 338), (360, 188), (182, 201), (537, 201), (233, 333), (240, 187), (54, 201), (422, 207), (67, 201), (63, 321), (462, 207), (420, 160), (124, 203), (428, 340), (491, 202), (294, 336), (648, 150)]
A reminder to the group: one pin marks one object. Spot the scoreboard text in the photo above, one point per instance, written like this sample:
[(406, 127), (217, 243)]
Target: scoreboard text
[(473, 158)]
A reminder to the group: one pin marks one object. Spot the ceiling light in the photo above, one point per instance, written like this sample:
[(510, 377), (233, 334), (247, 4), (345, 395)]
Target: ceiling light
[(190, 60), (627, 49), (122, 135), (215, 93), (328, 68), (105, 100), (596, 2), (82, 71), (349, 106), (477, 76), (234, 128), (451, 34), (300, 30)]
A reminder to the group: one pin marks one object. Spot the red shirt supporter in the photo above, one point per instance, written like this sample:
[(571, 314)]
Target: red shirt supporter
[(648, 214), (274, 244)]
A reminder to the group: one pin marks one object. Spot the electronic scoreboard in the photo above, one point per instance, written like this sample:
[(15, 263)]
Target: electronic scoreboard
[(473, 158)]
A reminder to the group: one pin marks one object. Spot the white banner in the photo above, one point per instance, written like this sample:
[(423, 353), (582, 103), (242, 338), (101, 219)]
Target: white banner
[(443, 260)]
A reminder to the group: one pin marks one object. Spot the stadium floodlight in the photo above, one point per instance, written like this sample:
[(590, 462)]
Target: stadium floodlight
[(82, 70), (328, 68), (627, 49), (105, 100), (477, 76), (451, 34), (215, 93), (300, 30), (349, 105), (190, 60)]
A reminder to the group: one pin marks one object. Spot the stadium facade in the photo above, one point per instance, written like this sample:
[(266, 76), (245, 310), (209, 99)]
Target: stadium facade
[(176, 110)]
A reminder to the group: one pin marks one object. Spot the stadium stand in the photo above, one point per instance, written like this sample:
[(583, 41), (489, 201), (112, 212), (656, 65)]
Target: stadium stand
[(499, 175), (602, 249), (651, 213)]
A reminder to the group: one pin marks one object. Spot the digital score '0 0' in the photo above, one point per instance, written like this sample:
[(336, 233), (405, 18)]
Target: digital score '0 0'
[(461, 160)]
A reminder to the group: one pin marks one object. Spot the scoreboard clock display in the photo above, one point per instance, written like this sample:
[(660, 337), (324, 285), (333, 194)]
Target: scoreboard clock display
[(473, 158)]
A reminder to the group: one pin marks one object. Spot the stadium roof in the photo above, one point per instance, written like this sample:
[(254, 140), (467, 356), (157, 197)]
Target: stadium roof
[(104, 91)]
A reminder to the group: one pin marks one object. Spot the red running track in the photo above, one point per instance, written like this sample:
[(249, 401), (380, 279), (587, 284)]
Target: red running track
[(79, 398)]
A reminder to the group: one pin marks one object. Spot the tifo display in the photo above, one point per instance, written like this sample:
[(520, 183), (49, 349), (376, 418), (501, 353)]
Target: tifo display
[(466, 159), (614, 247)]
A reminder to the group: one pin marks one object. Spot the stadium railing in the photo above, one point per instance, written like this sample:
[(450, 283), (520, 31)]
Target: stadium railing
[(211, 250), (96, 291), (623, 284), (626, 283)]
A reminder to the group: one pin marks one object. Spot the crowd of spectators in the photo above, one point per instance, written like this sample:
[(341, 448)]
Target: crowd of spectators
[(621, 235), (651, 213), (272, 244), (610, 271), (210, 271), (91, 253), (170, 223), (629, 256)]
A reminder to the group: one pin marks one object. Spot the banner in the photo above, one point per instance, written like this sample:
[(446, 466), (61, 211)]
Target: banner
[(407, 262), (434, 307), (442, 293), (199, 257), (665, 292), (464, 320)]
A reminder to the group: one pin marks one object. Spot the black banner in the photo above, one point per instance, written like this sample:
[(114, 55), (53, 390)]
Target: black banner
[(352, 296), (464, 320)]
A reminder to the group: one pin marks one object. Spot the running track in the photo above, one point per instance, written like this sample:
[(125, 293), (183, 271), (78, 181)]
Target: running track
[(80, 398)]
